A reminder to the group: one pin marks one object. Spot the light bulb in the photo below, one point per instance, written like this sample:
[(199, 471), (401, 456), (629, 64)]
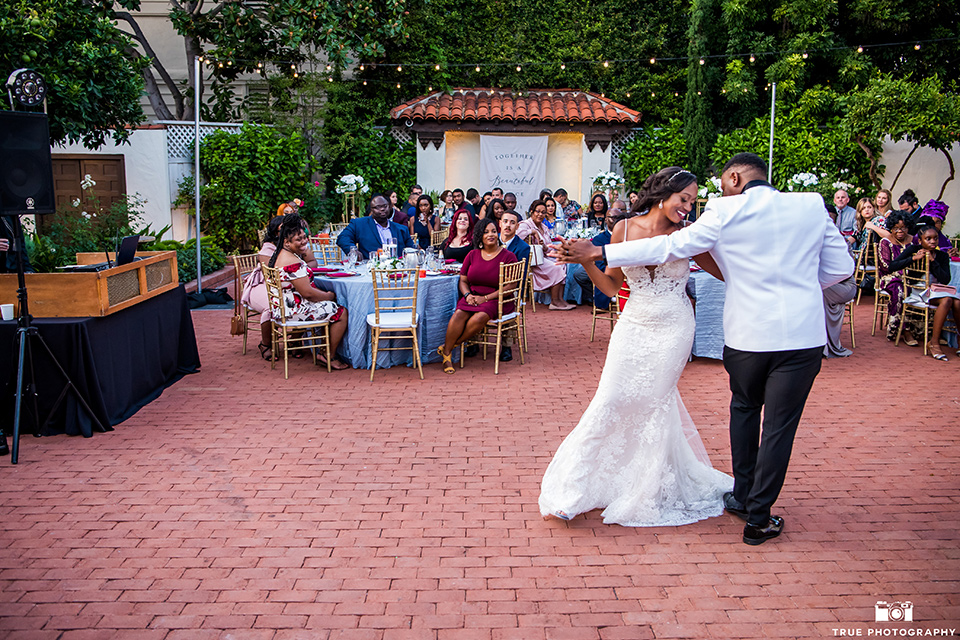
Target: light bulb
[(859, 49), (702, 61), (562, 67), (606, 64), (437, 67), (361, 67), (917, 46), (399, 67), (518, 67), (752, 59), (478, 68), (653, 61)]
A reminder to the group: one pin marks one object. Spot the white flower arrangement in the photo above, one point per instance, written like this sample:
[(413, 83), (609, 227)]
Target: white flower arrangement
[(608, 180), (87, 182), (711, 189), (351, 183), (585, 234), (802, 181), (387, 264)]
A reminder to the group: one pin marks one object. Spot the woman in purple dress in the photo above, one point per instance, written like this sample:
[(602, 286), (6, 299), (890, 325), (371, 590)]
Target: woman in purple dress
[(889, 274), (479, 286)]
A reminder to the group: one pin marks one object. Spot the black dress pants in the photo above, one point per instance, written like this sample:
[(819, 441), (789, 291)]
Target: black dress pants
[(778, 382)]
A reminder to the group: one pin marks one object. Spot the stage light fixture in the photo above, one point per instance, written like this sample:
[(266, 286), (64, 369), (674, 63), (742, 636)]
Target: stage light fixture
[(27, 87)]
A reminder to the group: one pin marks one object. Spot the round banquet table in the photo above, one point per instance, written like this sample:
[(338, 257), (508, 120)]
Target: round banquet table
[(708, 335), (436, 301)]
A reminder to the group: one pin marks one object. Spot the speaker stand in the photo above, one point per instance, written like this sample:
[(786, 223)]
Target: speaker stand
[(26, 334)]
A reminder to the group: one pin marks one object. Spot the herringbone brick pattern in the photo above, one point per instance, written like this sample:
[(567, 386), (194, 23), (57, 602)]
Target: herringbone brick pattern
[(242, 506)]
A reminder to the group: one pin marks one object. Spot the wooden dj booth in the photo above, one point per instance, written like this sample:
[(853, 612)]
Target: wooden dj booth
[(123, 335)]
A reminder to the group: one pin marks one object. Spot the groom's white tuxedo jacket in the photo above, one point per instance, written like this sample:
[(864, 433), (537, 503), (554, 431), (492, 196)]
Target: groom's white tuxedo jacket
[(777, 251)]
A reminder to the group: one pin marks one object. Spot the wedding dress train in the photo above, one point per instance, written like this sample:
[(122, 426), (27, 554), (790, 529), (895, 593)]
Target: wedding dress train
[(635, 452)]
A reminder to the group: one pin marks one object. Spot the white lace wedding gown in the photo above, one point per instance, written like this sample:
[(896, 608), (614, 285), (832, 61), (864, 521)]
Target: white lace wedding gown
[(636, 453)]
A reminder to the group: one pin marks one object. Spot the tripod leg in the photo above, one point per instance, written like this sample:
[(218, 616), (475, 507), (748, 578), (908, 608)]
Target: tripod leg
[(21, 363), (69, 387)]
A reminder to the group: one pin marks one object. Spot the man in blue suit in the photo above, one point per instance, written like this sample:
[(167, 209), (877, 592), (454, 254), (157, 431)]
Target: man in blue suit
[(370, 233)]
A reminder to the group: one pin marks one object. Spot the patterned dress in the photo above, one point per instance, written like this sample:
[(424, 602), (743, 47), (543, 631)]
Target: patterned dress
[(890, 281), (299, 308)]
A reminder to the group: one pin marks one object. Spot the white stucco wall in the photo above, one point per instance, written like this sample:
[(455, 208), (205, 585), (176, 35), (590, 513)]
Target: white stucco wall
[(924, 173), (462, 162), (594, 162), (145, 164), (431, 172), (564, 160)]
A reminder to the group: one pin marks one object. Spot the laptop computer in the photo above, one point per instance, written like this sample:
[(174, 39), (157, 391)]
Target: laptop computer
[(125, 255)]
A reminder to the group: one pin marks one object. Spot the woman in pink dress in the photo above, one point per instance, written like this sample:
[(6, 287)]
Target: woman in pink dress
[(548, 275), (480, 287)]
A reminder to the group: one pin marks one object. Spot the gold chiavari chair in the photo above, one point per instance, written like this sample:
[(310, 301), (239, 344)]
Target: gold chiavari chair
[(881, 299), (916, 280), (242, 266), (437, 237), (394, 312), (294, 335), (848, 318), (511, 286), (330, 255), (866, 266)]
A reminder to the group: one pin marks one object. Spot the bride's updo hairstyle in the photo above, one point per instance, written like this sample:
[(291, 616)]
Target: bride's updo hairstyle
[(660, 186)]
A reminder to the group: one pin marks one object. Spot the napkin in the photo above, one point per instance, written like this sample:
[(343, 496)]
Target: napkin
[(339, 274)]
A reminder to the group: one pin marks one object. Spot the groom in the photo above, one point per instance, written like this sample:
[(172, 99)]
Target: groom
[(776, 252)]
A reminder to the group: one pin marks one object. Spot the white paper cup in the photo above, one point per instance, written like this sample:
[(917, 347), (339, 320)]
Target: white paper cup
[(6, 310)]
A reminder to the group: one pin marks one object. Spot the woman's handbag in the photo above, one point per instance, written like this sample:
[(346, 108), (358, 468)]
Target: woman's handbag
[(536, 255), (238, 324)]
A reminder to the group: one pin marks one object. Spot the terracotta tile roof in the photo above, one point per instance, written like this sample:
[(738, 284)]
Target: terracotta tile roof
[(538, 105)]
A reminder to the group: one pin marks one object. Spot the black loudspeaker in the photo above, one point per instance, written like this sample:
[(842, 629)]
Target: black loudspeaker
[(26, 171)]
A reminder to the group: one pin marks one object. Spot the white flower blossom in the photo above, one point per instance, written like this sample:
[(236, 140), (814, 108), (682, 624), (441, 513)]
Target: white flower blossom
[(351, 183), (87, 182), (76, 202), (85, 215)]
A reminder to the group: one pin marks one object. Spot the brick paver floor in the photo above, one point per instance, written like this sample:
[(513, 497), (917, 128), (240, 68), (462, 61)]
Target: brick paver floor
[(242, 506)]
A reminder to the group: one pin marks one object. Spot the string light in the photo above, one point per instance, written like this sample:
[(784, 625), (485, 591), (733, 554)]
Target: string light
[(398, 85), (478, 68), (805, 55), (437, 68), (702, 61), (653, 61), (563, 67), (860, 49), (399, 67), (201, 59), (361, 67), (229, 62), (628, 94), (330, 79), (293, 67), (917, 46), (364, 83), (752, 59), (606, 64), (329, 67), (430, 89), (220, 65), (259, 65)]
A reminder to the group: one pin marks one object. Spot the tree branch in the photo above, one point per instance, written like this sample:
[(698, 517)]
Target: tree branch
[(946, 152), (139, 36), (904, 165), (873, 161), (152, 89)]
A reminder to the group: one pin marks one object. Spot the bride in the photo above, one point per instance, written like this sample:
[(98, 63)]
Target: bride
[(635, 452)]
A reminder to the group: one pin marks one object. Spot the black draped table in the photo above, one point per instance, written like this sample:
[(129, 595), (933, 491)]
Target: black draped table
[(119, 363)]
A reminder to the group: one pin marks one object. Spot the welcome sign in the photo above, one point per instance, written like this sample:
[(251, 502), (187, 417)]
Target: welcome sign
[(514, 163)]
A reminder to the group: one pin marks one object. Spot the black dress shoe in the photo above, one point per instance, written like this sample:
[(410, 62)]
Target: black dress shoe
[(471, 351), (4, 449), (734, 506), (506, 354), (753, 534)]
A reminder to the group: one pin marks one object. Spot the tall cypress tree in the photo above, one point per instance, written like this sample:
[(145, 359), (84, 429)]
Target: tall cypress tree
[(699, 127)]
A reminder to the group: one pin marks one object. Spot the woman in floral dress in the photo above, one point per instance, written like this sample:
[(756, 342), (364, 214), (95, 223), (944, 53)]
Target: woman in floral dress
[(301, 299)]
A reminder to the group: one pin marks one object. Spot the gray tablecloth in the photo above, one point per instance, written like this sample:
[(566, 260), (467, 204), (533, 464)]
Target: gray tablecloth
[(708, 336), (954, 273), (436, 301)]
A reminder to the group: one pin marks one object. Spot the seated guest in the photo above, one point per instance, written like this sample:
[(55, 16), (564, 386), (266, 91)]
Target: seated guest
[(370, 233), (632, 197), (460, 200), (426, 222), (410, 208), (835, 299), (598, 211), (398, 215), (483, 203), (868, 226), (460, 240), (479, 285), (494, 209), (548, 275), (254, 296), (570, 208), (473, 201), (934, 214), (910, 206), (302, 300), (888, 272), (551, 219), (509, 238), (546, 193), (883, 203), (940, 273), (616, 214), (447, 207), (510, 202)]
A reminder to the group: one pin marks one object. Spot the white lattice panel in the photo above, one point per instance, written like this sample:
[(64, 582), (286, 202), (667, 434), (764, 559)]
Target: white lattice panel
[(402, 136), (616, 148), (180, 137)]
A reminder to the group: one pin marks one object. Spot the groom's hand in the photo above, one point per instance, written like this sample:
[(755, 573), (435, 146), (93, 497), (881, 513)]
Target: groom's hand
[(576, 251)]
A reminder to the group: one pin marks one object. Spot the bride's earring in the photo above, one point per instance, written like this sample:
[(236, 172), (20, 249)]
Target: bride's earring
[(661, 204)]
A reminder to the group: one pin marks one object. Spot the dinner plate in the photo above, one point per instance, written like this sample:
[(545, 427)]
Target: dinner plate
[(434, 273)]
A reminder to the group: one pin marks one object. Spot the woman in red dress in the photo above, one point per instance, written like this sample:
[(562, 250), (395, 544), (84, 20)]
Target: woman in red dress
[(479, 285)]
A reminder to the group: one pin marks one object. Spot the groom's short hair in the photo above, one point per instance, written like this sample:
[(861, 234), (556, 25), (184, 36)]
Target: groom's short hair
[(750, 160)]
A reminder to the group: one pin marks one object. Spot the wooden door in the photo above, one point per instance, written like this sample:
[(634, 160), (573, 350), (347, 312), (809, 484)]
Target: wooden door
[(69, 170)]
